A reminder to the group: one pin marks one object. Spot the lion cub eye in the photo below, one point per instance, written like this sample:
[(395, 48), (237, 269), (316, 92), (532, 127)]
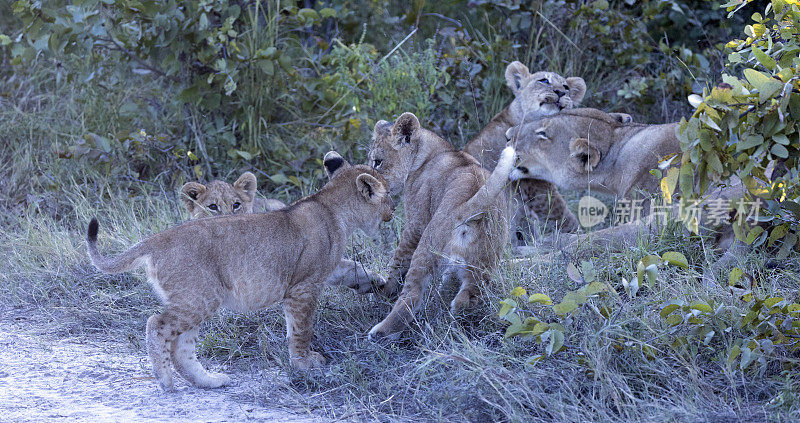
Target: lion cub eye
[(541, 134), (213, 207), (544, 81), (376, 163), (236, 205)]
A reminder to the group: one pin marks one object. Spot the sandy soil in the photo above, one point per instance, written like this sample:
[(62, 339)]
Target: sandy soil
[(43, 378)]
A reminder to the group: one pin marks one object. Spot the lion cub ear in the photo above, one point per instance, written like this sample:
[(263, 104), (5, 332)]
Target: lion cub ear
[(247, 184), (587, 155), (333, 161), (406, 126), (190, 192), (370, 187), (577, 88), (516, 72)]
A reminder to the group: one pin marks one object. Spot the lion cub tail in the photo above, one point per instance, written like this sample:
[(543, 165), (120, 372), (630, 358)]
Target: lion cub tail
[(496, 181), (123, 262)]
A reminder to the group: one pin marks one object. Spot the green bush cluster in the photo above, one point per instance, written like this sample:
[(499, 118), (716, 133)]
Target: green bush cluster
[(747, 127), (273, 85), (743, 328)]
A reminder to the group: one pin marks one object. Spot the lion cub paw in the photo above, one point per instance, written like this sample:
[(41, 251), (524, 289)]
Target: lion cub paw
[(372, 283), (463, 301), (389, 288), (310, 361), (383, 331), (217, 380)]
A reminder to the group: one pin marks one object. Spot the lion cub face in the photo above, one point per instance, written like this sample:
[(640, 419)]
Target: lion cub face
[(373, 203), (541, 93), (392, 151), (219, 197)]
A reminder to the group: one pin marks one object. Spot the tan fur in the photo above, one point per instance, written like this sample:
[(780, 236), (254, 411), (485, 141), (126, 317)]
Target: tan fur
[(239, 198), (533, 98), (456, 217), (589, 149), (219, 197), (246, 262)]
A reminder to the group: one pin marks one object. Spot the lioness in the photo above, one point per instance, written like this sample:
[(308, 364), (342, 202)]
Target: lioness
[(588, 148), (220, 198), (249, 261), (536, 95), (454, 208)]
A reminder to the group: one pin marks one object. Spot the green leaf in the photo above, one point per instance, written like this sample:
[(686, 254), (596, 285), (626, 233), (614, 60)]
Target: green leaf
[(735, 276), (327, 12), (307, 16), (789, 242), (763, 58), (734, 352), (578, 297), (747, 358), (701, 306), (594, 288), (647, 266), (777, 233), (668, 309), (202, 24), (514, 330), (749, 141), (518, 292), (556, 342), (668, 184), (767, 86), (539, 328), (565, 307), (507, 306), (541, 299), (686, 177), (753, 234), (674, 319), (676, 259), (770, 302), (780, 151), (573, 273), (781, 139)]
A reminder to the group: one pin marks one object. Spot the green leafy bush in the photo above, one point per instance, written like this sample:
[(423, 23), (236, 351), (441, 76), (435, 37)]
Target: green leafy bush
[(747, 126)]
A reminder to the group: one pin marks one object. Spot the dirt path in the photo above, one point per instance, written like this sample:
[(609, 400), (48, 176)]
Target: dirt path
[(42, 378)]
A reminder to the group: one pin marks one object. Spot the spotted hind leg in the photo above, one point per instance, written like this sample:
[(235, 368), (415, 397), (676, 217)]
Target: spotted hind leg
[(158, 348), (184, 357)]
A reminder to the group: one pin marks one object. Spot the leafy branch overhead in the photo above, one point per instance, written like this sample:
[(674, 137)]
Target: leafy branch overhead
[(747, 125)]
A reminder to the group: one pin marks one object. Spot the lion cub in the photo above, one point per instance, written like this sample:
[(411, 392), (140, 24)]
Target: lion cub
[(249, 261), (220, 198), (454, 209)]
